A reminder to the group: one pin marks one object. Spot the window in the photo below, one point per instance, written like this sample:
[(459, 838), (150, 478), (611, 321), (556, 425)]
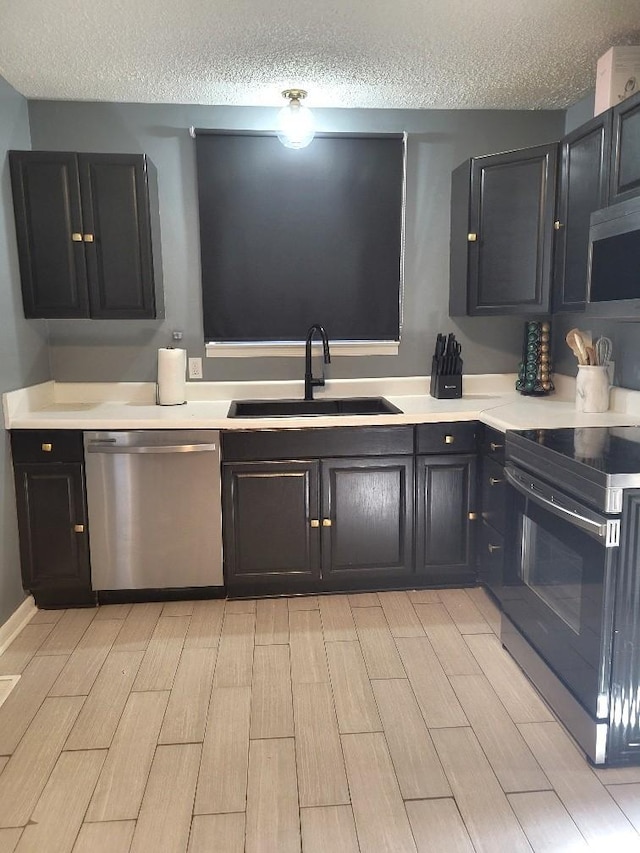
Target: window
[(295, 237)]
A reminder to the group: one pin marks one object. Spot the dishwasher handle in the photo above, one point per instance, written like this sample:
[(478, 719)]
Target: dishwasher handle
[(107, 447)]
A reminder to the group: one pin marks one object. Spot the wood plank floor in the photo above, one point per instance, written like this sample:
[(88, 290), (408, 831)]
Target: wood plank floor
[(371, 723)]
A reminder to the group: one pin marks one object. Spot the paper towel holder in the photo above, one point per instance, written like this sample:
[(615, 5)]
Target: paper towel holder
[(176, 335)]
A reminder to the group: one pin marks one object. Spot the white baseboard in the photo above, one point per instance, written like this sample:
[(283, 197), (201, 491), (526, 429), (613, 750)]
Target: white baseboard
[(16, 622)]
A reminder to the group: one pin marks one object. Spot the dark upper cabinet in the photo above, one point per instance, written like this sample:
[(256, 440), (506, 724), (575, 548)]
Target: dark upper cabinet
[(625, 151), (52, 517), (445, 488), (502, 214), (88, 234), (367, 517), (583, 186)]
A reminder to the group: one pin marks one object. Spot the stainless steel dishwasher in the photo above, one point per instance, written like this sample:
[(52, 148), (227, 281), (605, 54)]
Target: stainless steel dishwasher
[(153, 498)]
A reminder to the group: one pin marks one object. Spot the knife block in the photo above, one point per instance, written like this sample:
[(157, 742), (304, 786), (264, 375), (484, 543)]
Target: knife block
[(446, 387)]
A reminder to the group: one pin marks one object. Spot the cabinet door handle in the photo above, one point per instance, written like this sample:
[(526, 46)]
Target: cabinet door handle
[(472, 516), (326, 522), (46, 447), (493, 481), (495, 446), (78, 528), (449, 439), (315, 522), (76, 237), (558, 225), (493, 548), (472, 237), (88, 238)]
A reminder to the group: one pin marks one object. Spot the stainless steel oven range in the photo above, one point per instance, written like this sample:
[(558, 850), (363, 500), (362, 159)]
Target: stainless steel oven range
[(570, 587)]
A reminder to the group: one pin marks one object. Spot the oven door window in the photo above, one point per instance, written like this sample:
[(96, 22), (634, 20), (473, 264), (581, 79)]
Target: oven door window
[(556, 580), (553, 571)]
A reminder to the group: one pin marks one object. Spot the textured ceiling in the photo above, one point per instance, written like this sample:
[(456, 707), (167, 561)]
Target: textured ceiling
[(505, 54)]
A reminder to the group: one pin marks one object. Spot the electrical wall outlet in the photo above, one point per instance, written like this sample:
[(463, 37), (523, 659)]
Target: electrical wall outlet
[(195, 368)]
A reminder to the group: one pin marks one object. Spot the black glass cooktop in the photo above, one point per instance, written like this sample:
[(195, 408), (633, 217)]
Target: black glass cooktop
[(595, 464), (612, 450)]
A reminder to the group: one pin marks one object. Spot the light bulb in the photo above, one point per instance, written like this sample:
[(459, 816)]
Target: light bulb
[(295, 123)]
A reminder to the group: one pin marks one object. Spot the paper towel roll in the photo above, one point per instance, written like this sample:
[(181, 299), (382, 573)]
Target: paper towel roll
[(172, 372)]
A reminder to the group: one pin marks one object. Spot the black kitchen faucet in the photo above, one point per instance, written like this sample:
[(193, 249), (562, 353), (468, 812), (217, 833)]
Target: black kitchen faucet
[(309, 381)]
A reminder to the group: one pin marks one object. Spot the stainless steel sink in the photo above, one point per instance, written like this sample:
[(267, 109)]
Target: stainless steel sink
[(311, 408)]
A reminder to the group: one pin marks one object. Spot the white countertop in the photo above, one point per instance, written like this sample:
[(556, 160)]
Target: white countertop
[(130, 405)]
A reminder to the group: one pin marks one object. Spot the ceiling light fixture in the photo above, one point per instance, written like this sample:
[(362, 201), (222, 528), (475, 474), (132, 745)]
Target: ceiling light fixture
[(295, 121)]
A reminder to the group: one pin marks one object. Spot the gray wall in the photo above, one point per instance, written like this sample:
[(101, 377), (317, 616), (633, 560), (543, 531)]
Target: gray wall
[(23, 349), (438, 141), (624, 334)]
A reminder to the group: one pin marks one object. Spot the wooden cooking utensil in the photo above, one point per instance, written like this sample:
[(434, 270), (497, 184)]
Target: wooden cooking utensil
[(576, 345)]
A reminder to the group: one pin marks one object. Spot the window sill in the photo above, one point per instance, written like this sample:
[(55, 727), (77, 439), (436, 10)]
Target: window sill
[(295, 349)]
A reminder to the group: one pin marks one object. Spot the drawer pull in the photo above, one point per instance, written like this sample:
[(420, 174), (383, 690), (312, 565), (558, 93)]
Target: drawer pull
[(78, 528), (472, 516), (495, 446), (493, 548), (494, 481), (449, 439), (472, 237), (326, 522), (557, 225), (315, 522), (47, 447)]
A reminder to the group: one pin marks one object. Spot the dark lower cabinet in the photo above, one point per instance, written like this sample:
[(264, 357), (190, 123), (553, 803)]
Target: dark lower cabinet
[(349, 508), (52, 522), (269, 508), (494, 495), (321, 524), (338, 516), (48, 468), (88, 234), (445, 488), (367, 518)]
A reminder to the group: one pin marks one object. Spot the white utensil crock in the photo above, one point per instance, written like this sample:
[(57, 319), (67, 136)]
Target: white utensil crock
[(592, 389)]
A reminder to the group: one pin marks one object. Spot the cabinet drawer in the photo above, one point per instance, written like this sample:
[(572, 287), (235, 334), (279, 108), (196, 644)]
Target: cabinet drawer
[(492, 444), (490, 558), (254, 445), (493, 494), (46, 445), (457, 437)]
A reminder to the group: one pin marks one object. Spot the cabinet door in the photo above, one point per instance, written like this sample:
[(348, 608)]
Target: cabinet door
[(49, 230), (625, 151), (116, 214), (445, 496), (53, 532), (268, 512), (367, 518), (583, 186), (511, 218)]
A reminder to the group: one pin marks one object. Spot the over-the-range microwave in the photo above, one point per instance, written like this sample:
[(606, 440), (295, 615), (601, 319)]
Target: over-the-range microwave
[(614, 260)]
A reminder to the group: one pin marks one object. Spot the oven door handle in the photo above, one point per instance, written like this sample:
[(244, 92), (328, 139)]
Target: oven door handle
[(607, 529)]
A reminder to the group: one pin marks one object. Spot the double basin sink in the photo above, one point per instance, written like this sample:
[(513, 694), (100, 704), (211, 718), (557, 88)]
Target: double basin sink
[(311, 408)]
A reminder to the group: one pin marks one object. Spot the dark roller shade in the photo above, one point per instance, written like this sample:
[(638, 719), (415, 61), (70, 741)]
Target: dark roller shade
[(294, 237)]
